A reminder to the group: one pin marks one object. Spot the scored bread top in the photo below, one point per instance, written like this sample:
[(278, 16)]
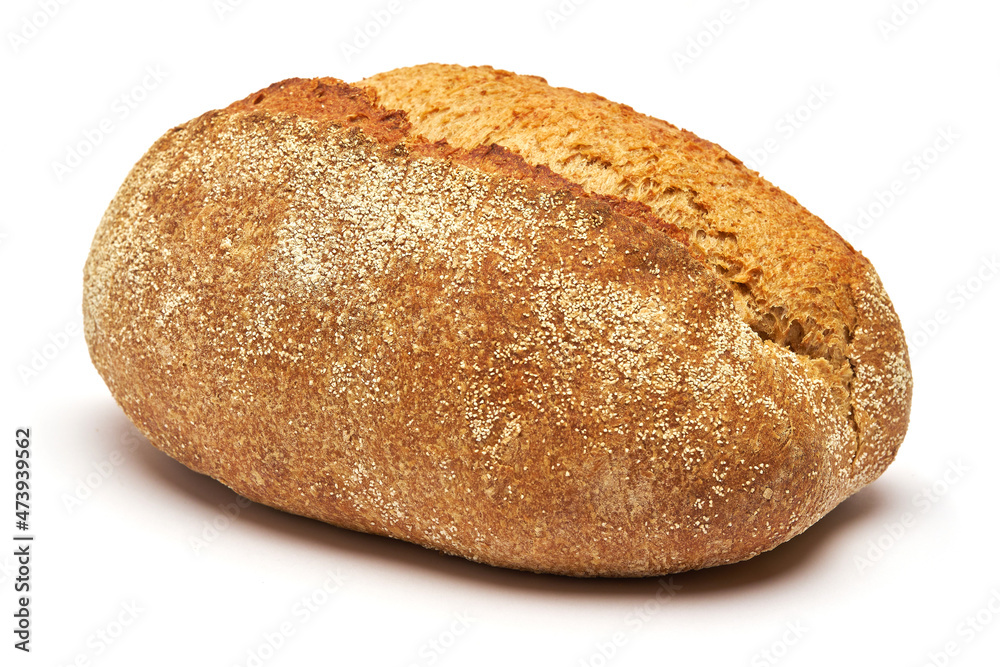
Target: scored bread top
[(333, 100), (305, 299), (789, 270), (794, 280)]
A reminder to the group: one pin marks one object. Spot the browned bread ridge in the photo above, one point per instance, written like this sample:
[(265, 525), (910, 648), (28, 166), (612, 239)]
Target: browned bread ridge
[(795, 281), (441, 342)]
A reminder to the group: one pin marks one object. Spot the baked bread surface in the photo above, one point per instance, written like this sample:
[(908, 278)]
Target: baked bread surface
[(794, 280), (439, 341)]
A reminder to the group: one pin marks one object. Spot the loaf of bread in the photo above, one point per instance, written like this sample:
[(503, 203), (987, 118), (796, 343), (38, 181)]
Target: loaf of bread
[(511, 322)]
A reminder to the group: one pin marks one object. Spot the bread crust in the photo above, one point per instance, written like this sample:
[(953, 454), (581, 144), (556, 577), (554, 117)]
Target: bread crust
[(795, 281), (307, 300)]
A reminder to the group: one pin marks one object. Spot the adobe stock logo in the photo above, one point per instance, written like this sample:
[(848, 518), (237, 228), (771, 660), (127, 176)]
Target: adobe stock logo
[(923, 502), (788, 125), (223, 8), (435, 648), (102, 470), (307, 607), (711, 31), (899, 16), (228, 514), (365, 34), (559, 14), (922, 333), (970, 627), (121, 108), (32, 24), (101, 640), (605, 651), (914, 168), (41, 357), (779, 648)]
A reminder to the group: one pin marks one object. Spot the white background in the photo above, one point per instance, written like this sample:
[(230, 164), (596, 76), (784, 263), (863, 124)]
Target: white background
[(859, 587)]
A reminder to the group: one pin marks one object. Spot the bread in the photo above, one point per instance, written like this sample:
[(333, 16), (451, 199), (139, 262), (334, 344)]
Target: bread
[(510, 322)]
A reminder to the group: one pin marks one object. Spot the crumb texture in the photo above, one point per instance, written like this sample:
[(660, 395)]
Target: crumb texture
[(459, 346)]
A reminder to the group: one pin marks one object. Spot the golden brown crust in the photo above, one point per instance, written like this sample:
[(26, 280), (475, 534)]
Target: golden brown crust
[(339, 318), (795, 281)]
